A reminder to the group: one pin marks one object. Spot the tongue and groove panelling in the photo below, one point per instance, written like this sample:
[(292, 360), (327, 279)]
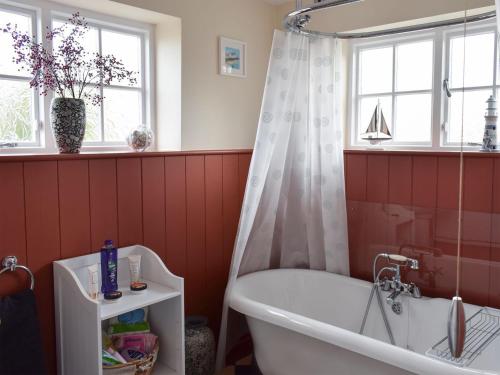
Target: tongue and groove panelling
[(184, 206), (408, 202)]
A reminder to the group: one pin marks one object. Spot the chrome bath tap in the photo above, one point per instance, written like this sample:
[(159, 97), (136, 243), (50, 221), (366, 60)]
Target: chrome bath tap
[(391, 298), (395, 284)]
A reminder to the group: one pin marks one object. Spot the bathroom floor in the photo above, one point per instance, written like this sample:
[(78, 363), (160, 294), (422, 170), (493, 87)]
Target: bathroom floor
[(245, 366)]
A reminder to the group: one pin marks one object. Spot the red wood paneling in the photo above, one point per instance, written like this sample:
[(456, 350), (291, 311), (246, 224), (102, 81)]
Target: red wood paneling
[(243, 167), (424, 181), (153, 199), (478, 184), (231, 206), (400, 180), (68, 205), (356, 177), (357, 238), (496, 186), (188, 211), (448, 182), (477, 202), (175, 203), (128, 177), (196, 277), (43, 241), (415, 189), (103, 202), (42, 213), (494, 294), (376, 222), (74, 207), (12, 228), (214, 236), (377, 178)]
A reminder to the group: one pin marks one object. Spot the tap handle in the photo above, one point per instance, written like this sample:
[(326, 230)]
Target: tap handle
[(397, 258), (413, 263), (415, 291), (385, 284)]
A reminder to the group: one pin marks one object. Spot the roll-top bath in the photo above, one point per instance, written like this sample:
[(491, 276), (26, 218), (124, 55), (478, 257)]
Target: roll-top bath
[(306, 322)]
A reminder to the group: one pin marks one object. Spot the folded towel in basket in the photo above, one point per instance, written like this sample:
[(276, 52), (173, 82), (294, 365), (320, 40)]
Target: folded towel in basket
[(21, 351)]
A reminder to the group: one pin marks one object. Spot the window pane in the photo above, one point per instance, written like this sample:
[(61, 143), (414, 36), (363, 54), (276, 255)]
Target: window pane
[(23, 22), (414, 66), (124, 47), (89, 41), (122, 112), (16, 112), (413, 118), (375, 70), (479, 56), (93, 124), (366, 109), (474, 110)]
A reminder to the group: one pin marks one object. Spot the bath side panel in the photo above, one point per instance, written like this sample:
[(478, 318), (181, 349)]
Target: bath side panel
[(281, 351)]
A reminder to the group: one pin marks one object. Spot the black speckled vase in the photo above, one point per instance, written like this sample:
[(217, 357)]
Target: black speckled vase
[(200, 347), (67, 117)]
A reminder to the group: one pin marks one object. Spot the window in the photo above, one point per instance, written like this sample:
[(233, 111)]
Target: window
[(24, 115), (18, 102), (123, 106), (406, 76), (472, 89)]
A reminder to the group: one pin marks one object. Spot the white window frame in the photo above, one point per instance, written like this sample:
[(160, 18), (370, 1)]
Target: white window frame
[(440, 103), (36, 100), (484, 28), (45, 13)]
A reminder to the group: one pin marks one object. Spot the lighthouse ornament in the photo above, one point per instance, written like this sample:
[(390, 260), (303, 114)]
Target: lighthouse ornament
[(490, 128)]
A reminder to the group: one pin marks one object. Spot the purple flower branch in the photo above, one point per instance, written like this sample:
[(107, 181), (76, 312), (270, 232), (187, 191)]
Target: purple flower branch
[(68, 67)]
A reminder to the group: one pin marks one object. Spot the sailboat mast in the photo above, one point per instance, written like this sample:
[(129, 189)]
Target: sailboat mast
[(379, 113)]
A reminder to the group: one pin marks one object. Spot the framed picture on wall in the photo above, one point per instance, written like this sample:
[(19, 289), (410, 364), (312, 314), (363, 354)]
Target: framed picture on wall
[(233, 57)]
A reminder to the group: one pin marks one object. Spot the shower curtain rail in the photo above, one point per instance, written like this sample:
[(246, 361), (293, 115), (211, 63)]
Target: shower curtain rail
[(297, 20)]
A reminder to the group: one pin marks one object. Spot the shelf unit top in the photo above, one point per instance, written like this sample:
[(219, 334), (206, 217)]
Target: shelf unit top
[(130, 301), (162, 285)]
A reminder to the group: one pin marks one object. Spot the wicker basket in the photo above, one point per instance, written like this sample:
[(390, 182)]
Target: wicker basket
[(139, 367)]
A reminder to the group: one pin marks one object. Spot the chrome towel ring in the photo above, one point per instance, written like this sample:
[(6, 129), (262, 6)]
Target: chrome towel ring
[(9, 263)]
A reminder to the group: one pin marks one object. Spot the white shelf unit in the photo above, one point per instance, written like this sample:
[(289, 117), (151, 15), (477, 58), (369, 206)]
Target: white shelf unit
[(79, 319)]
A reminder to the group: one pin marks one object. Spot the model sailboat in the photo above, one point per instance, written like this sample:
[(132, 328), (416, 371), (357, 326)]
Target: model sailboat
[(378, 130)]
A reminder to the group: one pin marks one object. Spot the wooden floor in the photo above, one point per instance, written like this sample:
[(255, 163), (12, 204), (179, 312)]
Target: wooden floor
[(245, 366)]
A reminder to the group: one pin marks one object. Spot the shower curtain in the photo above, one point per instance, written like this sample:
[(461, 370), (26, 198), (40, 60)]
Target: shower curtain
[(497, 3), (294, 209)]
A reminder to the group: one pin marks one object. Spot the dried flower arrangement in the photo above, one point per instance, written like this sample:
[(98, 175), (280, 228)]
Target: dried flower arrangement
[(66, 67)]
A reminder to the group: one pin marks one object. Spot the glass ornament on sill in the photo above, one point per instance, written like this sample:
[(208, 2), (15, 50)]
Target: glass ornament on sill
[(140, 138)]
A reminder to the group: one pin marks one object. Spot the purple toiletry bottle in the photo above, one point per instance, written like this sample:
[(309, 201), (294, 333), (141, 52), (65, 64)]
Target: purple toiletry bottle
[(109, 268)]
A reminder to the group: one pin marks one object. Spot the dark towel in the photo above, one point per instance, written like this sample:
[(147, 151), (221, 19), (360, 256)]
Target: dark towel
[(21, 351)]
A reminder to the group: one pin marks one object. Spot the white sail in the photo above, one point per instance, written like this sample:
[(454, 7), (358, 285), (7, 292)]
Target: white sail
[(384, 129), (372, 128), (377, 130)]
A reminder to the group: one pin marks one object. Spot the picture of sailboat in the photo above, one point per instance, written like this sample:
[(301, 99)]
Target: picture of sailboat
[(377, 131)]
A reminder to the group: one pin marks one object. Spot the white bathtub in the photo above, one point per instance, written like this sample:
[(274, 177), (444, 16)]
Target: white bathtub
[(306, 322)]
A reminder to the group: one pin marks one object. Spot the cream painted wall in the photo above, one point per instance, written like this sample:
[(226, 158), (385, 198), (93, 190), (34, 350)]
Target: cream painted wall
[(219, 112)]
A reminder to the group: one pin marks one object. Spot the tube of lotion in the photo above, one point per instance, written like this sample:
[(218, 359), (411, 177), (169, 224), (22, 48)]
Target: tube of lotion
[(93, 281), (134, 262)]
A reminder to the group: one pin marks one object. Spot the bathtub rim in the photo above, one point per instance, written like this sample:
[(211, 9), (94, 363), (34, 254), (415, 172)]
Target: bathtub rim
[(333, 335)]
